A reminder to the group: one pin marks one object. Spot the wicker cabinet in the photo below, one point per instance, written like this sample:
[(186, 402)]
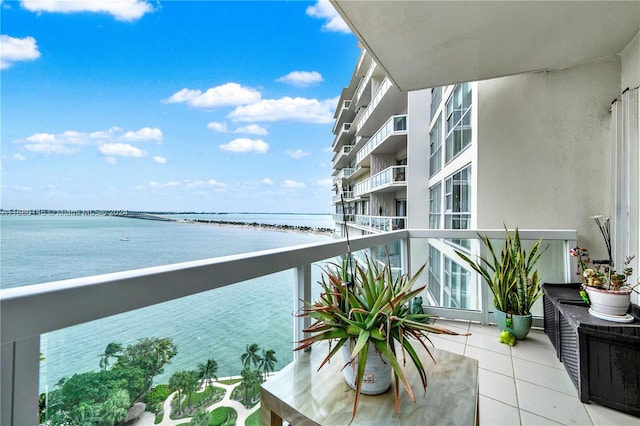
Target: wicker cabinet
[(601, 357)]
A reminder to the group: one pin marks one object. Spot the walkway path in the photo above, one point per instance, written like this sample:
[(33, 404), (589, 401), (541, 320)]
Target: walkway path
[(148, 419)]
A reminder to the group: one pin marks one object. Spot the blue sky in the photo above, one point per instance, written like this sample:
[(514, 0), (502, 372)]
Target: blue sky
[(170, 105)]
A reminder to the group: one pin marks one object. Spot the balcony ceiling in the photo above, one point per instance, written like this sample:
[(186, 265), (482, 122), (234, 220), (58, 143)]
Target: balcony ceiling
[(423, 44)]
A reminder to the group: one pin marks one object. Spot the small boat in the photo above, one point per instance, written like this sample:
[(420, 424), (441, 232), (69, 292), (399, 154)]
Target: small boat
[(125, 239)]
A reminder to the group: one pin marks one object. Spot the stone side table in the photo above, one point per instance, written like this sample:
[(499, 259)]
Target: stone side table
[(301, 395)]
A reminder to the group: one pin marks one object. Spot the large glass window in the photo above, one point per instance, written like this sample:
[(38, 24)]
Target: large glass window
[(458, 280), (435, 145), (435, 208), (458, 121), (435, 287), (436, 97), (458, 202)]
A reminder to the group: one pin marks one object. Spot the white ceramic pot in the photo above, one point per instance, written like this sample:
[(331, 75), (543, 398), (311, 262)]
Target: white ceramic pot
[(377, 374), (610, 302)]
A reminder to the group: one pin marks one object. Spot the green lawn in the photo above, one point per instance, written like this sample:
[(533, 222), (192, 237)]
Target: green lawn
[(253, 419)]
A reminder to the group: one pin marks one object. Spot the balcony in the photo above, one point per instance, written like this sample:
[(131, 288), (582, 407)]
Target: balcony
[(390, 179), (381, 223), (386, 101), (343, 173), (342, 156), (343, 115), (343, 135), (346, 196), (544, 390), (390, 138)]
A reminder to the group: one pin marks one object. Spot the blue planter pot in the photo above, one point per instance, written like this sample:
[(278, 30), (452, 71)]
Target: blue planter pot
[(520, 324)]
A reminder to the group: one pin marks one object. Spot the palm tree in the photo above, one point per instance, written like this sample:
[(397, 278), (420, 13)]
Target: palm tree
[(251, 356), (250, 379), (176, 383), (207, 371), (190, 385), (165, 350), (268, 362), (111, 351), (201, 418)]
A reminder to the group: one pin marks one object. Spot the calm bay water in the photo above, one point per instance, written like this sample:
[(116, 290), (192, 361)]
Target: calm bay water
[(217, 324)]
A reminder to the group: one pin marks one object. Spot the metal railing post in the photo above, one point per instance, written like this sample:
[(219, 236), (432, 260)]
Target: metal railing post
[(301, 292), (20, 370)]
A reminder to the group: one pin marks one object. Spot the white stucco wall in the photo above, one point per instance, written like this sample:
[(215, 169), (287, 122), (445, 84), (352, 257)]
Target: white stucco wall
[(630, 57), (544, 149)]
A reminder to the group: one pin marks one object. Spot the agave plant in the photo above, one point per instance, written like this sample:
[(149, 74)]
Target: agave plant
[(511, 278), (372, 308)]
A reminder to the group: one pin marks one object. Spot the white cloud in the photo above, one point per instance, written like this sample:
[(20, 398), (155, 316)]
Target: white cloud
[(246, 145), (154, 184), (120, 150), (110, 160), (301, 78), (42, 148), (160, 160), (229, 94), (252, 129), (144, 134), (18, 157), (204, 184), (23, 188), (122, 10), (218, 127), (292, 184), (296, 153), (267, 181), (49, 143), (286, 109), (42, 138), (17, 49), (324, 10)]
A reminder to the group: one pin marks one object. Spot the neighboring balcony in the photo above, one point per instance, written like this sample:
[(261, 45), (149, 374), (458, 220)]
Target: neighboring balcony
[(346, 196), (381, 223), (389, 179), (342, 156), (343, 173), (390, 138), (343, 136), (341, 218), (344, 115)]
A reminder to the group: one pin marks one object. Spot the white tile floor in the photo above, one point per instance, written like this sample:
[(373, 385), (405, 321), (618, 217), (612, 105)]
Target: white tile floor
[(524, 384)]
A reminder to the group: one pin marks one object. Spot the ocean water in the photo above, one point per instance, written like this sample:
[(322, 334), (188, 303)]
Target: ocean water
[(218, 324)]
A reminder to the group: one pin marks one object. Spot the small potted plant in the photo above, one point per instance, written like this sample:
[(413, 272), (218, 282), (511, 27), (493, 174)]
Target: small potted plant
[(367, 314), (608, 292), (512, 280)]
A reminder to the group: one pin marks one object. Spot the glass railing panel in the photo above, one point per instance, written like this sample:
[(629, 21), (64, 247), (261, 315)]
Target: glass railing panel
[(218, 324), (452, 284)]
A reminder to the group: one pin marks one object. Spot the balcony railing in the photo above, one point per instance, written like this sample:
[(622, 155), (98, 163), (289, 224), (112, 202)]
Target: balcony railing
[(346, 195), (381, 223), (384, 87), (395, 125), (344, 173), (391, 176), (31, 311), (365, 81), (342, 152), (344, 130)]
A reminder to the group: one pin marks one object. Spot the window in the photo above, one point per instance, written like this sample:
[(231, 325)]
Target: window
[(434, 286), (436, 97), (458, 203), (435, 147), (458, 280), (435, 208), (458, 121)]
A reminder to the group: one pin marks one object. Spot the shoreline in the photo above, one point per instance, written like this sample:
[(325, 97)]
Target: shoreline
[(263, 226)]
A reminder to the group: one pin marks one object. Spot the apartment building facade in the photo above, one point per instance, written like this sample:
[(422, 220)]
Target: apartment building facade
[(546, 150)]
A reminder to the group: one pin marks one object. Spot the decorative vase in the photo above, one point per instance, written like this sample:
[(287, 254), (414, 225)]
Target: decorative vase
[(377, 374), (519, 326), (610, 302)]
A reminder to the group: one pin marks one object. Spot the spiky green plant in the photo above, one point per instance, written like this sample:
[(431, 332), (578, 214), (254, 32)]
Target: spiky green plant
[(373, 308), (511, 278)]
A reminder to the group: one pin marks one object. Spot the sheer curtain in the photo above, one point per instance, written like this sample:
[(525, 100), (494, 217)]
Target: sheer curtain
[(626, 169)]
